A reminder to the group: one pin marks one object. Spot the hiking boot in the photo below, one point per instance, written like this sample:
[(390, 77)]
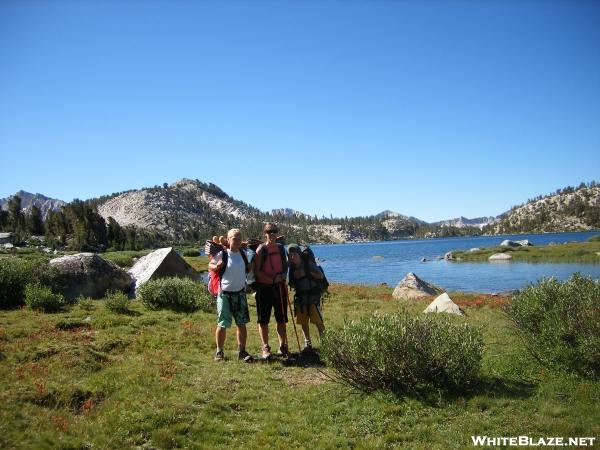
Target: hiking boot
[(308, 348), (285, 351), (243, 355), (266, 352), (219, 355)]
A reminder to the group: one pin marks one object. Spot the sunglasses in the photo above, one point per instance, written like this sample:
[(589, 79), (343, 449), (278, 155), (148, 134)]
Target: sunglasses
[(271, 231)]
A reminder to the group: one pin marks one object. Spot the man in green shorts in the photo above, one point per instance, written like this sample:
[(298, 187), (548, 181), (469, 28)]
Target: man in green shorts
[(232, 265)]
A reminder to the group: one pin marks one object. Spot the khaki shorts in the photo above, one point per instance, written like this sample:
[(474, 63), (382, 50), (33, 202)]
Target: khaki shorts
[(314, 314)]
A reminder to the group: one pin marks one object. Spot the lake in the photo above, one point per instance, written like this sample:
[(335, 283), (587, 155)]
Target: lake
[(388, 262)]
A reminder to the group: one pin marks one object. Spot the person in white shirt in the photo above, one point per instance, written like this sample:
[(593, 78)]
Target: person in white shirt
[(231, 301)]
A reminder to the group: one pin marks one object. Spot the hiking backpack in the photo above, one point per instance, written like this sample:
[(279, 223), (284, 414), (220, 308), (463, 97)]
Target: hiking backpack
[(308, 257), (215, 276)]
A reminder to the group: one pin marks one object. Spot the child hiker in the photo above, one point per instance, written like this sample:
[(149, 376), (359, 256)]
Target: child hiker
[(307, 293)]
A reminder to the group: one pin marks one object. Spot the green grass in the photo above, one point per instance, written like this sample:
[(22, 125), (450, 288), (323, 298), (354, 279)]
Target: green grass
[(584, 252), (87, 377)]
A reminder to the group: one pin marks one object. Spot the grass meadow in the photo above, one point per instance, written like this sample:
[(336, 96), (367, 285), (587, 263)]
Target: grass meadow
[(88, 377)]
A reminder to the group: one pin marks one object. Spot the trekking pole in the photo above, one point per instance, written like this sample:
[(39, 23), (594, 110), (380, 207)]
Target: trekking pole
[(282, 289)]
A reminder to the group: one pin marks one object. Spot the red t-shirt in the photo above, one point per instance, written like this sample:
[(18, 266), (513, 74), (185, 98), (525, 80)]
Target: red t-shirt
[(272, 264)]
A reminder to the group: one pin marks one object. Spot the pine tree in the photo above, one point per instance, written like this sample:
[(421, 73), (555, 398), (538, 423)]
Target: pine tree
[(33, 221)]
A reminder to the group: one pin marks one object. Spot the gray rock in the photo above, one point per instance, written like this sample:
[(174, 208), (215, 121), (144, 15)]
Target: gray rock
[(412, 287), (89, 275), (473, 250), (377, 258), (7, 246), (444, 303), (509, 243), (449, 256), (524, 243), (500, 257), (7, 238), (161, 263), (423, 259)]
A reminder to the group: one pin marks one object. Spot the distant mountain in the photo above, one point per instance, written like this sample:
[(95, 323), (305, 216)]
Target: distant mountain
[(41, 201), (568, 209), (191, 210), (462, 222), (288, 212)]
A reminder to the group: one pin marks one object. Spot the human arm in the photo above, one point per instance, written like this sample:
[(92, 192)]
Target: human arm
[(217, 262)]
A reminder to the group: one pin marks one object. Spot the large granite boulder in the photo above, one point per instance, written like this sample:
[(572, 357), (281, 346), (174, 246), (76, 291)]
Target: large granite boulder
[(161, 263), (500, 257), (89, 275), (444, 303), (509, 243), (412, 287)]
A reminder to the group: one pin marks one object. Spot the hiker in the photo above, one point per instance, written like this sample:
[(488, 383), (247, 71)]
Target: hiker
[(270, 266), (307, 293), (232, 266)]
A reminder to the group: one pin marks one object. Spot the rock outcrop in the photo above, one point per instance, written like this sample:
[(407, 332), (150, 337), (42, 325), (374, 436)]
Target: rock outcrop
[(412, 287), (89, 275), (161, 263), (500, 257), (444, 303), (509, 243)]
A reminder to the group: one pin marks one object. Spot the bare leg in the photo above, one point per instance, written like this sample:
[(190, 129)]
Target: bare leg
[(263, 330), (306, 332), (220, 337), (242, 334), (282, 333)]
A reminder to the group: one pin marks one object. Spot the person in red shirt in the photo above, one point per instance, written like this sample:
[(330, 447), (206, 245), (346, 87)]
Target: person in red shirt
[(270, 267)]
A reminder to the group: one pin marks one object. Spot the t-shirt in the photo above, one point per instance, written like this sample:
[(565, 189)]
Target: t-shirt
[(234, 278), (272, 264)]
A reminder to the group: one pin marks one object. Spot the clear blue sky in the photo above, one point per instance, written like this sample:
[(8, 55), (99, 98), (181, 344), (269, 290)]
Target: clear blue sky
[(433, 109)]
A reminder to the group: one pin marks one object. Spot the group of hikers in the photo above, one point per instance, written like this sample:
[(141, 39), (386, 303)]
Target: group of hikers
[(266, 269)]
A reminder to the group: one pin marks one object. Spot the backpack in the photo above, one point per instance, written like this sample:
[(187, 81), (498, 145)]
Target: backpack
[(264, 254), (308, 257), (214, 276)]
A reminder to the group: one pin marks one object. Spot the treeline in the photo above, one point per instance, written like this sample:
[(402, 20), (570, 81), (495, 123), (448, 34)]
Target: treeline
[(552, 215), (76, 226)]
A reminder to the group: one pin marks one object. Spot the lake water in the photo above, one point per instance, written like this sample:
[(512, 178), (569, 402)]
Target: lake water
[(388, 262)]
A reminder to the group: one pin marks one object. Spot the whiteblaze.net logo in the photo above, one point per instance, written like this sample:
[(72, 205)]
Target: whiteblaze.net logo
[(526, 441)]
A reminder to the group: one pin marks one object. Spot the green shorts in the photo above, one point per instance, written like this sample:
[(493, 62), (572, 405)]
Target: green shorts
[(232, 305)]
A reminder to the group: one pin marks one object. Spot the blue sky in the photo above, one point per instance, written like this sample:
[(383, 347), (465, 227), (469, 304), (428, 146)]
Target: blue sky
[(433, 109)]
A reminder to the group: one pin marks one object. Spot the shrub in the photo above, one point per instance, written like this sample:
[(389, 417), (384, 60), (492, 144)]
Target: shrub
[(178, 294), (42, 298), (560, 323), (15, 273), (117, 301), (402, 353), (190, 252)]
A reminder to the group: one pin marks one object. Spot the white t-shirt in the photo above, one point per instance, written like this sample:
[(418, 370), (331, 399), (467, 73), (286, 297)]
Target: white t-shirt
[(234, 278)]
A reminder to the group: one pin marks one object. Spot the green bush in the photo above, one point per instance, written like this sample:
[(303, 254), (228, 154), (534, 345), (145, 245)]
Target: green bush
[(560, 323), (402, 353), (178, 294), (117, 301), (190, 252), (42, 298), (15, 273)]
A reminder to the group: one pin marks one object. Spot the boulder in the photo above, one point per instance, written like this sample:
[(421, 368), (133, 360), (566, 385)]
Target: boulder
[(444, 303), (473, 250), (89, 275), (500, 257), (161, 263), (412, 287), (524, 243), (449, 256), (7, 238), (509, 243)]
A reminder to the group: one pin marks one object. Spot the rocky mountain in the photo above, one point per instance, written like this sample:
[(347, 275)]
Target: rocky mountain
[(41, 201), (288, 212), (174, 208), (462, 222), (568, 209)]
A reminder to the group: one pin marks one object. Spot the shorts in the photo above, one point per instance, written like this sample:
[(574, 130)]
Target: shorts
[(314, 314), (232, 305), (267, 298)]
